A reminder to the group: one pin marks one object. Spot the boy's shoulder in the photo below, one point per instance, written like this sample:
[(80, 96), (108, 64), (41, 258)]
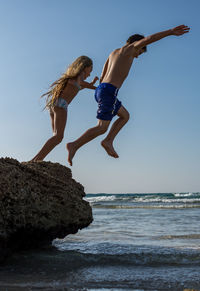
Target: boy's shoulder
[(127, 49), (114, 52)]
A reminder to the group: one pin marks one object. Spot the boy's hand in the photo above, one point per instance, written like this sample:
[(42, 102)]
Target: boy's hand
[(179, 30)]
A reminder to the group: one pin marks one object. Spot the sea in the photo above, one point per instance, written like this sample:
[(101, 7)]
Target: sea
[(137, 241)]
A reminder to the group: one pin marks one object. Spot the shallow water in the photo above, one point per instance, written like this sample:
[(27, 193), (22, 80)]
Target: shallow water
[(136, 242)]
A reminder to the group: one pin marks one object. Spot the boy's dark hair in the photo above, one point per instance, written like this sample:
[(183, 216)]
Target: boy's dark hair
[(134, 38)]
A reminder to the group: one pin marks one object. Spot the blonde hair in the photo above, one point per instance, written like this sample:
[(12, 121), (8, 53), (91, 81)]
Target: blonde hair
[(72, 71)]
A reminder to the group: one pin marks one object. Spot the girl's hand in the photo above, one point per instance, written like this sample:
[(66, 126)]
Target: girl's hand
[(94, 80)]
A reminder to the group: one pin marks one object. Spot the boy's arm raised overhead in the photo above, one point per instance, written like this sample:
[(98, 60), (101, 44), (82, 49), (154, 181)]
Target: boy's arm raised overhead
[(178, 30)]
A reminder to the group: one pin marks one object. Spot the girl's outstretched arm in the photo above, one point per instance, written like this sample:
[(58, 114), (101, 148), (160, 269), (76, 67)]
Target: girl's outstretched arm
[(89, 85)]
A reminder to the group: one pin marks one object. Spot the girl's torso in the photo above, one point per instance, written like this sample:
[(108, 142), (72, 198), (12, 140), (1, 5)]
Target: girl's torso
[(71, 89)]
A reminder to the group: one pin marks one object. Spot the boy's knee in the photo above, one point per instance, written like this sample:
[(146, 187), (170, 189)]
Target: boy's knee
[(127, 116), (123, 114)]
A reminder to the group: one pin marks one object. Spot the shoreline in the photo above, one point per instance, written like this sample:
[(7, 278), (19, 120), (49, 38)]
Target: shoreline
[(55, 270)]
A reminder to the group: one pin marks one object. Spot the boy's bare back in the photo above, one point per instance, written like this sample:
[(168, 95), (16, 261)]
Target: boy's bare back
[(117, 66)]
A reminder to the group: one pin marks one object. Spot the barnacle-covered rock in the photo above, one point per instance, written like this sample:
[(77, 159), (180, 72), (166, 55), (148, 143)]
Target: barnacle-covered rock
[(38, 203)]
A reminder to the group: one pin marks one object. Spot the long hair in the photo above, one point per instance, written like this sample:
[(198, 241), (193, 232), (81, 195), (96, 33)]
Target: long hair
[(72, 71)]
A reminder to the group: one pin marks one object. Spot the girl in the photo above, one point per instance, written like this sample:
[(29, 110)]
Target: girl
[(60, 95)]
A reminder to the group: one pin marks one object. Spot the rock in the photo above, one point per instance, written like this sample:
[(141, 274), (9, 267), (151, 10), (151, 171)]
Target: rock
[(38, 203)]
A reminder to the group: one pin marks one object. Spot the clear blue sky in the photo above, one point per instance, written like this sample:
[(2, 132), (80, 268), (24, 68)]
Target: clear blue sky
[(159, 148)]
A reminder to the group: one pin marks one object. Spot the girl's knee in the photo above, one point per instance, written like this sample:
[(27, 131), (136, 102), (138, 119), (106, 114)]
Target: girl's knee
[(58, 138)]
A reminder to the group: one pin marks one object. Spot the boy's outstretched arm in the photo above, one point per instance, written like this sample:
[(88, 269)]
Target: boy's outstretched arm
[(178, 30), (89, 85)]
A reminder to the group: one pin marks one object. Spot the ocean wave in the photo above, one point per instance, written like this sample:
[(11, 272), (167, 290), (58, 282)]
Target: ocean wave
[(186, 236), (103, 254), (187, 194), (145, 198), (100, 198), (185, 200), (159, 206)]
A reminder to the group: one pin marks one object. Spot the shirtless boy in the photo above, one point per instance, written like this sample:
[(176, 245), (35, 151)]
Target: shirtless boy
[(115, 71)]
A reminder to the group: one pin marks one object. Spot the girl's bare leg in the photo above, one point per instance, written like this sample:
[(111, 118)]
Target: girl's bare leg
[(89, 135), (59, 117), (107, 143), (52, 119)]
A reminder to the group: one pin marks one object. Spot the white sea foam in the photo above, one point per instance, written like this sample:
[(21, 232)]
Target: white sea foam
[(100, 198), (184, 200), (146, 198), (185, 194)]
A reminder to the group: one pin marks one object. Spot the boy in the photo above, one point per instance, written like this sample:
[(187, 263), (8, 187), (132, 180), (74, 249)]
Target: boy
[(114, 73)]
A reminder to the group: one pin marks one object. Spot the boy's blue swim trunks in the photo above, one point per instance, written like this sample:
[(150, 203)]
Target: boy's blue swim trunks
[(108, 104)]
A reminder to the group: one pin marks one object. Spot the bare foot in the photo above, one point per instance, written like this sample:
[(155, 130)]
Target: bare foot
[(71, 152), (35, 159), (109, 149)]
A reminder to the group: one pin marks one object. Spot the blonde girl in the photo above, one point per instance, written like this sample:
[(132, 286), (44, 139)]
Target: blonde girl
[(60, 95)]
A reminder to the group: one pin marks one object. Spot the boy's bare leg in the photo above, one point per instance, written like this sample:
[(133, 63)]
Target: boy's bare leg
[(60, 118), (89, 135), (107, 143)]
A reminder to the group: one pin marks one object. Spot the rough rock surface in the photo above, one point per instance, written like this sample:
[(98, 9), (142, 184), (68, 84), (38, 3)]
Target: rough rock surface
[(38, 202)]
